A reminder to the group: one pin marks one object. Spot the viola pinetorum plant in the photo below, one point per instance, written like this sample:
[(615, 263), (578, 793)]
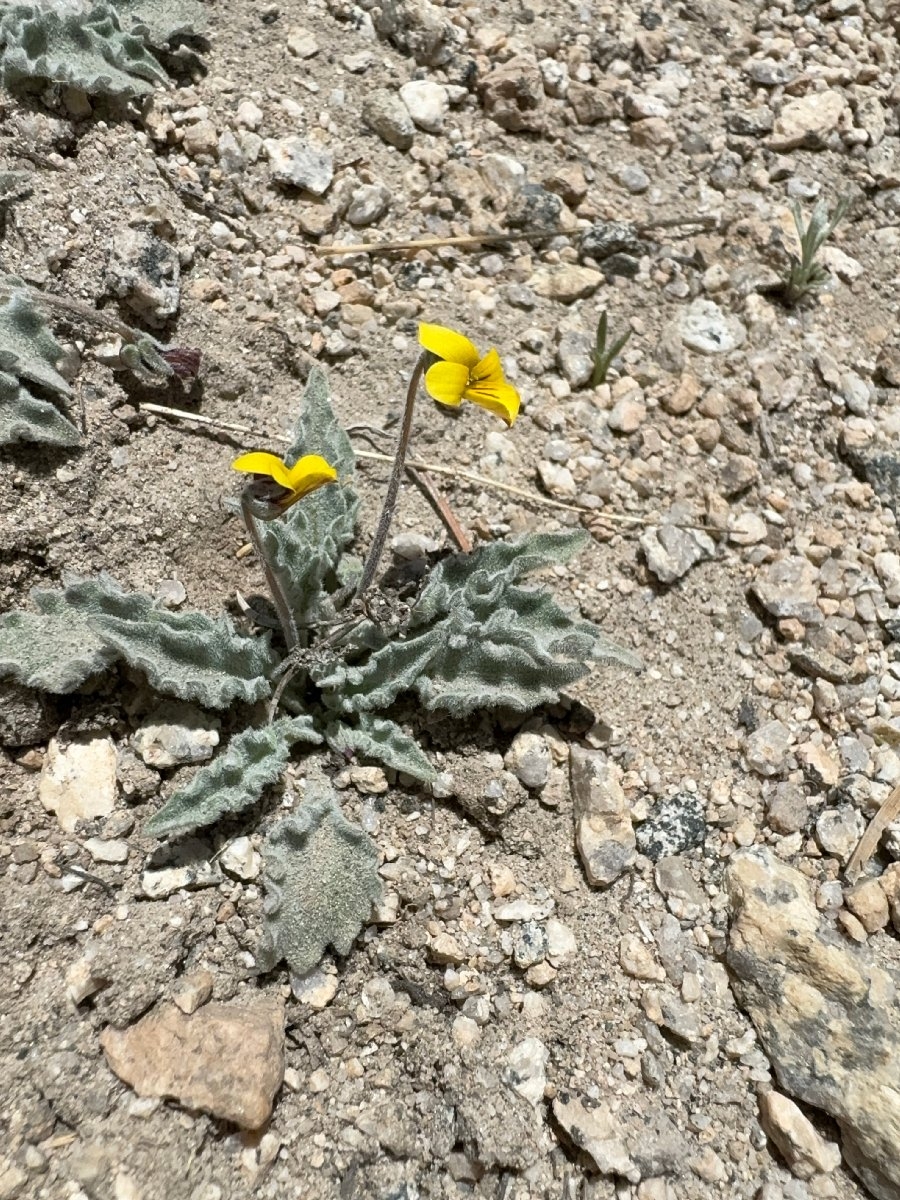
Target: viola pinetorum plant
[(473, 636)]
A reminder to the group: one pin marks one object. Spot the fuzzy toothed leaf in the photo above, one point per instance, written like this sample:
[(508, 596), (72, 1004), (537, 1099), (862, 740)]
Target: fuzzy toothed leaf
[(476, 639), (54, 649), (321, 880), (234, 780), (305, 546), (317, 430), (26, 418), (394, 667), (28, 350), (29, 354), (87, 50), (385, 742), (188, 655), (480, 578), (519, 656)]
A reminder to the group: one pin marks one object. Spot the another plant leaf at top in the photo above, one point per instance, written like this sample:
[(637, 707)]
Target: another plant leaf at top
[(87, 50), (305, 546), (54, 649), (159, 21), (25, 418), (383, 741), (234, 780), (321, 880), (28, 350)]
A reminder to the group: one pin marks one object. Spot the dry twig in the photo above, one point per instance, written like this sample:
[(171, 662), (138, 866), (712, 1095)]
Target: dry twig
[(868, 843)]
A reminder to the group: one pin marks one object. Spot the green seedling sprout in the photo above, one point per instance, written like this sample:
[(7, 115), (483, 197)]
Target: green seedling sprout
[(603, 355), (806, 275)]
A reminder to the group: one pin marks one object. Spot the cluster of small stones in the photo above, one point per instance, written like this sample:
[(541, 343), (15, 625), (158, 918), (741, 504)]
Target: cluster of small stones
[(761, 442)]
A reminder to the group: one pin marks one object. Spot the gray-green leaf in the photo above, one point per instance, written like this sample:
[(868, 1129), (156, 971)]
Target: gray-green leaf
[(383, 741), (159, 21), (26, 418), (476, 639), (88, 50), (188, 655), (321, 880), (29, 354), (28, 350), (92, 622), (235, 779), (305, 546), (54, 649)]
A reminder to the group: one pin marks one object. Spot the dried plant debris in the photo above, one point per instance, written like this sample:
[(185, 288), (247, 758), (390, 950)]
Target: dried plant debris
[(235, 780), (29, 355), (90, 623), (103, 49), (321, 882)]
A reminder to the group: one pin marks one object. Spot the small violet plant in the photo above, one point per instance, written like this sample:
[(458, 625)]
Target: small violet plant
[(473, 635)]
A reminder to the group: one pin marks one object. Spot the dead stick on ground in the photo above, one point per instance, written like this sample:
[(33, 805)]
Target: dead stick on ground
[(868, 843), (444, 511), (180, 414), (431, 243), (478, 239)]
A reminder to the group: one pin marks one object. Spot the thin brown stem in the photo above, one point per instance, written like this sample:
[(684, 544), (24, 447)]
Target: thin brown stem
[(285, 616), (393, 487), (442, 508)]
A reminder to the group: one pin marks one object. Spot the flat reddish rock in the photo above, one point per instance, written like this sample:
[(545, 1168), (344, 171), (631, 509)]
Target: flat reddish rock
[(225, 1059)]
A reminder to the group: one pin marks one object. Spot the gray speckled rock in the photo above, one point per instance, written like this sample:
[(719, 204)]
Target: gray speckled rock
[(386, 114), (671, 550), (788, 588), (575, 355), (825, 1014), (619, 1138), (675, 825)]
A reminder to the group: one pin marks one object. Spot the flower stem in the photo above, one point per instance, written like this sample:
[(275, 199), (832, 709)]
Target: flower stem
[(393, 487), (285, 616)]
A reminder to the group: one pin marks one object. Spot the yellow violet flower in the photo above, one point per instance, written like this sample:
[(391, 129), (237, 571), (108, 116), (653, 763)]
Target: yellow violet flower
[(277, 486), (462, 374)]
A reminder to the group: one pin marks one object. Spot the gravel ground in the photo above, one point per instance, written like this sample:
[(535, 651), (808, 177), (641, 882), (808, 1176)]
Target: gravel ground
[(622, 955)]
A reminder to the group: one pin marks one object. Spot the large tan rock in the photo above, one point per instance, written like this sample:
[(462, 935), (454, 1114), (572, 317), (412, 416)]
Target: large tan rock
[(565, 283), (225, 1059), (826, 1015), (808, 121)]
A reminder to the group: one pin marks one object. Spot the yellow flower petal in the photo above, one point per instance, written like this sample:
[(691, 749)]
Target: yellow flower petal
[(446, 382), (309, 473), (259, 462), (489, 370), (499, 397), (449, 345)]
